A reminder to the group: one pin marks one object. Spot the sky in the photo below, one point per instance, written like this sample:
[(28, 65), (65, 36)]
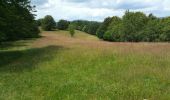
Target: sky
[(98, 10)]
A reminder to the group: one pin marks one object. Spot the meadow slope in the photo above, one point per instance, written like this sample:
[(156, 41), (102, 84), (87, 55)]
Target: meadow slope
[(58, 67)]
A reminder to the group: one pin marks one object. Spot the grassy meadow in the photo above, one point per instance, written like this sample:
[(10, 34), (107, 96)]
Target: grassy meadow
[(58, 67)]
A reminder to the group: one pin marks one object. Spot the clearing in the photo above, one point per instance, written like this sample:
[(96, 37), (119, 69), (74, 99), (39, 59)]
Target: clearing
[(58, 67)]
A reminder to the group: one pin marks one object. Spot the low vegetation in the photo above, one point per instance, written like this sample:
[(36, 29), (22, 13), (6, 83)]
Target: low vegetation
[(60, 67), (71, 30)]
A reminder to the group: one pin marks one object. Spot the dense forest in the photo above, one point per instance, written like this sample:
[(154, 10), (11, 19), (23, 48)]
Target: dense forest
[(16, 20)]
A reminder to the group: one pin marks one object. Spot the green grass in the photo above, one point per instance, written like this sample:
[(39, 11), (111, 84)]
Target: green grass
[(82, 72)]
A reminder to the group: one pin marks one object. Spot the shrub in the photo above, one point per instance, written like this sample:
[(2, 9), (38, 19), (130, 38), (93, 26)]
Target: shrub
[(71, 30)]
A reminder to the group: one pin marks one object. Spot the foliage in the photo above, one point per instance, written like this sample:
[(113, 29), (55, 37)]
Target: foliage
[(63, 24), (133, 23), (80, 24), (132, 27), (103, 27), (2, 37), (152, 31), (92, 27), (48, 23), (39, 22), (84, 28), (114, 31), (165, 36), (87, 26), (17, 20), (135, 27), (71, 30)]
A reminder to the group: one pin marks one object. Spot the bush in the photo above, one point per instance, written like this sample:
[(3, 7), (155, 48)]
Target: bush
[(108, 36), (71, 30)]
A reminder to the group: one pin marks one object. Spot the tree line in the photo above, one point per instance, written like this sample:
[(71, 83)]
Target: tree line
[(90, 27), (132, 27), (135, 27), (48, 24), (16, 20)]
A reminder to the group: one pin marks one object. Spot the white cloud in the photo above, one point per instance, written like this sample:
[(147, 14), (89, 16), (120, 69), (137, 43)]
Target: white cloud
[(98, 9)]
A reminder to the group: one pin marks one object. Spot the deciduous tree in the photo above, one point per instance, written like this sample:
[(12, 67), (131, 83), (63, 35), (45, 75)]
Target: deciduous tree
[(48, 23)]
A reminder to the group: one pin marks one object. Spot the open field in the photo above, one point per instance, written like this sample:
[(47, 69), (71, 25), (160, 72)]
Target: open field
[(58, 67)]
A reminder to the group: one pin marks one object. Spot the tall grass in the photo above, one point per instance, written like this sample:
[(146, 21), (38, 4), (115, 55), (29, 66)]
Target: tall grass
[(84, 70)]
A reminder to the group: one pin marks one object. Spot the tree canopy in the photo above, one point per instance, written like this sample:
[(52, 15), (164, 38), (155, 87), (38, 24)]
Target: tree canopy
[(63, 24), (17, 20), (87, 26), (103, 27), (48, 23), (135, 27)]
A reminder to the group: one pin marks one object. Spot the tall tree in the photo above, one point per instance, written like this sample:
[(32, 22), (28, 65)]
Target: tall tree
[(93, 26), (152, 31), (133, 23), (39, 22), (115, 30), (17, 20), (103, 27), (165, 34), (63, 24), (48, 23)]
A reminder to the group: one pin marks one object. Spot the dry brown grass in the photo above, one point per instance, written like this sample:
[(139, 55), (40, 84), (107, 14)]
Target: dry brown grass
[(62, 38)]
